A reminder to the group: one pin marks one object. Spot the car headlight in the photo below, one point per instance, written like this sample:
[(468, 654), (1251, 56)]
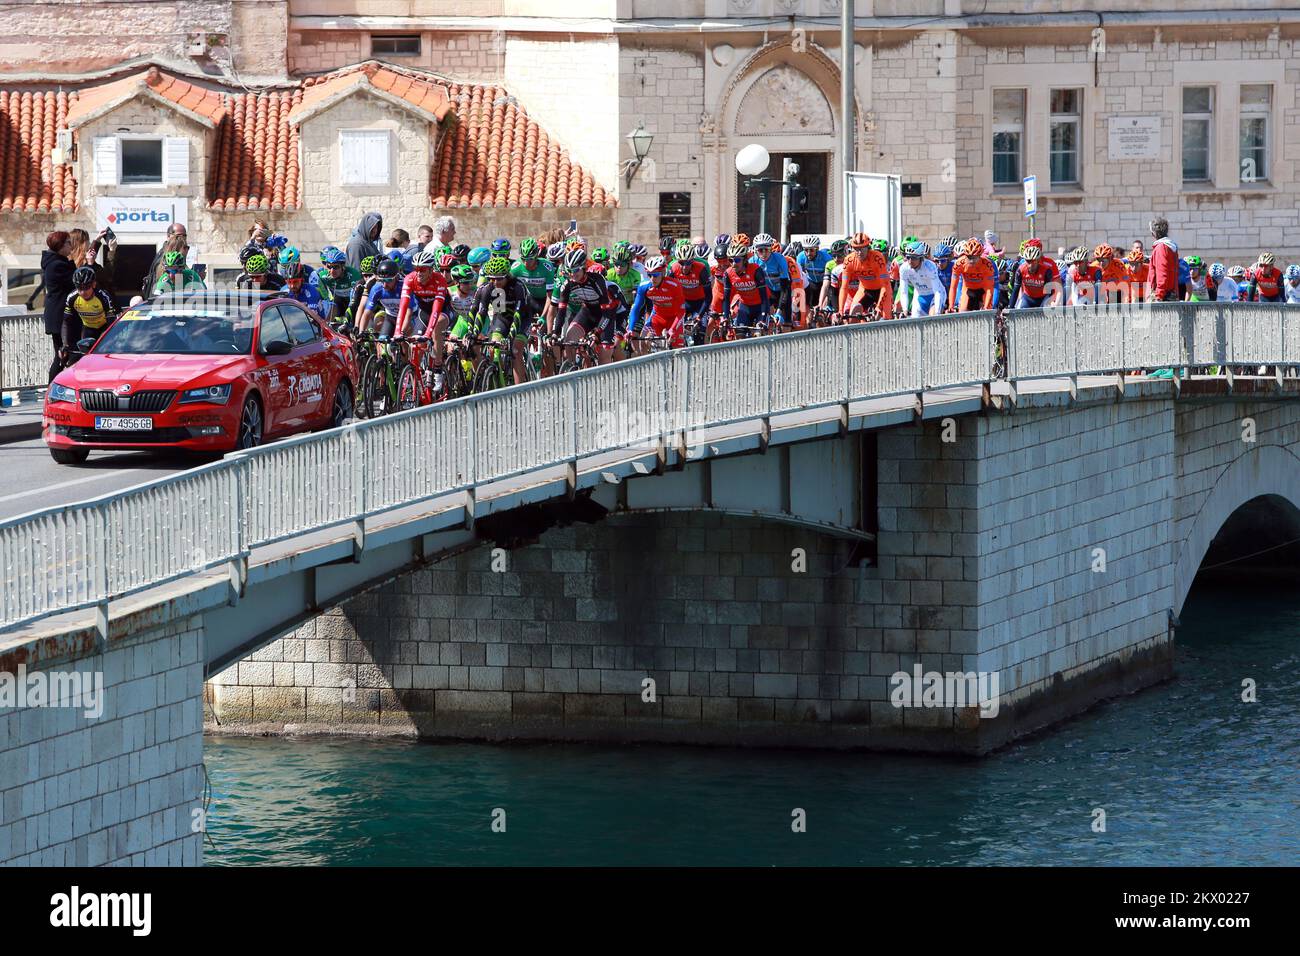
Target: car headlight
[(61, 393), (212, 394)]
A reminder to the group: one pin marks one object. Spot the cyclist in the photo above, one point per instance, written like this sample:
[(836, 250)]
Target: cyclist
[(813, 262), (1199, 286), (1265, 281), (359, 292), (176, 277), (297, 288), (1036, 282), (864, 281), (1138, 271), (384, 299), (667, 304), (1291, 285), (586, 301), (476, 259), (744, 294), (692, 276), (287, 258), (507, 303), (798, 283), (977, 276), (87, 311), (1225, 288), (500, 247), (424, 293), (1082, 281), (1238, 275), (536, 273), (334, 280), (919, 283), (943, 262), (1110, 273), (625, 280), (777, 272), (257, 275)]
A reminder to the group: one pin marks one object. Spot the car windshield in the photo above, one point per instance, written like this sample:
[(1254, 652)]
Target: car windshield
[(179, 331)]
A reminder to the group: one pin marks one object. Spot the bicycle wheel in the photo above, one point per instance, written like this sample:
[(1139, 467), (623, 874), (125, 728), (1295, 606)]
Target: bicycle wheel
[(360, 409), (408, 387), (485, 378), (376, 387)]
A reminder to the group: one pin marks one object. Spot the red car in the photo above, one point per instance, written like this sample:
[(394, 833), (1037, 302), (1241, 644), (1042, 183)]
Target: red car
[(204, 372)]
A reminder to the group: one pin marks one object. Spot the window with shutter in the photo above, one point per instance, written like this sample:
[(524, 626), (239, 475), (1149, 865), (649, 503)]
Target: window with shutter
[(176, 161), (364, 157), (106, 160)]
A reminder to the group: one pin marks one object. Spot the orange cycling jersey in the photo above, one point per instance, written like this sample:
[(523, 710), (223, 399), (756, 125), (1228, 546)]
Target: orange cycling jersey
[(863, 271), (1113, 275), (973, 274), (1137, 280)]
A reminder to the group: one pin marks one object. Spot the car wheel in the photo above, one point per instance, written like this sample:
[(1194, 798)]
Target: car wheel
[(250, 425), (70, 456), (341, 410)]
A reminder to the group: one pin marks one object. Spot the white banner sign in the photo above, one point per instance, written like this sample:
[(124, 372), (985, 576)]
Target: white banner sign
[(1134, 137), (129, 214), (874, 205)]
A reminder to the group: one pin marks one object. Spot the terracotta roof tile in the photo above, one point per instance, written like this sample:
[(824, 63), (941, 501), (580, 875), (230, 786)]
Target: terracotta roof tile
[(29, 182)]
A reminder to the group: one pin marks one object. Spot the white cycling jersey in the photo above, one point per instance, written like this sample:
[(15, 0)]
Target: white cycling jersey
[(1227, 290), (921, 282), (1292, 292)]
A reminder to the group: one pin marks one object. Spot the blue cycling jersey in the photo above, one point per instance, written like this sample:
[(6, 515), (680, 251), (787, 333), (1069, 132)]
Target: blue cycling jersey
[(815, 268), (382, 299), (776, 268)]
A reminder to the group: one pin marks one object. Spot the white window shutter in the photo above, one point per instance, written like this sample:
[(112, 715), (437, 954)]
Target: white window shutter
[(351, 158), (106, 160), (377, 158), (176, 161)]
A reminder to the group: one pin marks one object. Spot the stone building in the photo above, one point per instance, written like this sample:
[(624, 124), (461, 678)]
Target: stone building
[(1188, 110)]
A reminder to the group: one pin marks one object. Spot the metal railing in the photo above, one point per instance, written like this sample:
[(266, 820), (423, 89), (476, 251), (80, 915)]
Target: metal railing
[(25, 352), (89, 553)]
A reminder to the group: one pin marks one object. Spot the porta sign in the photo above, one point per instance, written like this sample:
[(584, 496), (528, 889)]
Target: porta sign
[(131, 214)]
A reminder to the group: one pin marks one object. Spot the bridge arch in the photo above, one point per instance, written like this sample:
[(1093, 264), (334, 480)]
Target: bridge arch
[(1266, 471)]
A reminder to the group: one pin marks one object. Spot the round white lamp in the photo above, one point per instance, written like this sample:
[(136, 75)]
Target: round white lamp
[(752, 160)]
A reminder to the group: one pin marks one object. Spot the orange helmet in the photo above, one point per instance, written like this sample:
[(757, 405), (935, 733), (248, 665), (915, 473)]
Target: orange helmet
[(742, 238), (972, 247), (1136, 256), (859, 240), (1103, 251), (577, 242)]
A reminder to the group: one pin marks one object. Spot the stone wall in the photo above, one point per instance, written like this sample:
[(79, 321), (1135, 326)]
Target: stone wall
[(118, 789), (464, 55)]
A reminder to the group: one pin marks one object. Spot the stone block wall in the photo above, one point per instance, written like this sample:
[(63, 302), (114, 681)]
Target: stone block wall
[(121, 788)]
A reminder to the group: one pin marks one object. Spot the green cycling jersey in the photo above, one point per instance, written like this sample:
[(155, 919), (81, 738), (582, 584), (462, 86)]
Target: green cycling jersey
[(539, 280)]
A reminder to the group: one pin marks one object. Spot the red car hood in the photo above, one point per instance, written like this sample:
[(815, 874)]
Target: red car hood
[(153, 371)]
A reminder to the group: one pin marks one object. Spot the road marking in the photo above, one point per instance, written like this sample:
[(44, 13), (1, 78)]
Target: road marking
[(67, 484)]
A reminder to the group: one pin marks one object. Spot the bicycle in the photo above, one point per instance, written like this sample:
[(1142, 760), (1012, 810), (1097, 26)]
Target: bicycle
[(415, 380), (379, 382), (496, 370), (584, 355)]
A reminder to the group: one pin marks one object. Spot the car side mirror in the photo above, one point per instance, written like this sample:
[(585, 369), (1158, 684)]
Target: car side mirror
[(278, 347), (85, 345)]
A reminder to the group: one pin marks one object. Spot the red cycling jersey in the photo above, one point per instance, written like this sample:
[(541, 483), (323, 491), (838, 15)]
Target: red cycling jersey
[(747, 283), (433, 295), (1034, 277), (690, 276), (1268, 282)]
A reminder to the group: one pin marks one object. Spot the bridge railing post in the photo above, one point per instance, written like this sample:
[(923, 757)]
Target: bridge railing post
[(101, 579)]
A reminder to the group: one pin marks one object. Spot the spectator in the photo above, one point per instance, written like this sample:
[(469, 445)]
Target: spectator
[(424, 238), (56, 275), (399, 240), (1164, 262), (151, 277), (444, 230), (364, 241), (85, 252), (258, 233)]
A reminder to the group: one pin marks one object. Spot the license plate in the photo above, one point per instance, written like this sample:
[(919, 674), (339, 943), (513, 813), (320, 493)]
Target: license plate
[(104, 424)]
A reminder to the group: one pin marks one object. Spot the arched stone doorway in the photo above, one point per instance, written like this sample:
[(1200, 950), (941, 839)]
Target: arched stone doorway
[(788, 101)]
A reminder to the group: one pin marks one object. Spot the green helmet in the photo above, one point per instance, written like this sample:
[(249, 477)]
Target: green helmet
[(601, 255), (497, 267), (254, 265), (1194, 262), (881, 245), (368, 266), (462, 273), (622, 255), (174, 259), (528, 248)]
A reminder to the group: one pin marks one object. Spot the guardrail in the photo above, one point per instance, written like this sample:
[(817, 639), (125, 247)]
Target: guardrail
[(24, 352), (86, 554)]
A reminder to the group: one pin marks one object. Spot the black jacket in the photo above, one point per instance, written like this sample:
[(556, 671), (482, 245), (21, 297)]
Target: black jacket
[(56, 276)]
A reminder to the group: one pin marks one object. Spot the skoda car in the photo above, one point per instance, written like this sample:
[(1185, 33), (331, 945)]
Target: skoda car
[(204, 372)]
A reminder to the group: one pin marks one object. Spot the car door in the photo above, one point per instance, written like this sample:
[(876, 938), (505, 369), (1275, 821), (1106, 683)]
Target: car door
[(310, 391), (276, 373)]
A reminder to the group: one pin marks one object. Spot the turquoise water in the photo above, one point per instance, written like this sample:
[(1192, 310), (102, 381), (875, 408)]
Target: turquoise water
[(1186, 774)]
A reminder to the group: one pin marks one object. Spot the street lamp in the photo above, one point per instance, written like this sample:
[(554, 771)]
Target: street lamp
[(639, 139)]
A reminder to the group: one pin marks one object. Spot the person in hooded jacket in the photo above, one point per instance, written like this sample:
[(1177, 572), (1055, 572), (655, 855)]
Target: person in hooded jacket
[(364, 240), (1164, 273), (56, 275)]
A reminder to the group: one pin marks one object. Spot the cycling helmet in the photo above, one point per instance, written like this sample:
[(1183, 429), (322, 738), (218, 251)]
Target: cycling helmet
[(174, 259), (702, 251), (83, 277), (461, 252), (721, 252), (596, 268), (576, 242), (860, 240), (949, 241), (1237, 272), (1266, 258), (462, 273), (721, 239), (684, 250), (479, 255), (1217, 271), (1103, 251), (910, 241), (500, 247), (289, 255), (839, 247), (498, 267), (777, 247), (555, 252), (446, 260), (891, 253), (576, 260), (395, 255), (656, 264), (1135, 256), (638, 250), (528, 248), (1032, 253), (332, 255), (812, 244), (763, 241), (971, 247), (881, 245), (1194, 262), (737, 250), (424, 260), (387, 269), (943, 250), (257, 265), (1076, 254), (296, 272), (622, 256), (666, 244), (600, 255), (367, 266), (919, 248), (794, 249), (742, 238), (1292, 273)]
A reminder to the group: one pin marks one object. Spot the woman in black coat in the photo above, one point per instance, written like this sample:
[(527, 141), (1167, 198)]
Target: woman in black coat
[(56, 276)]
